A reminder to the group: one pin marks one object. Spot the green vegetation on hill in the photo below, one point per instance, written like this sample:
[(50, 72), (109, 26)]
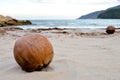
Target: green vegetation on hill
[(110, 14)]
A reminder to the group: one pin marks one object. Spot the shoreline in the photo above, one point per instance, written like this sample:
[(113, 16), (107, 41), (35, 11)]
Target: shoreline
[(65, 31)]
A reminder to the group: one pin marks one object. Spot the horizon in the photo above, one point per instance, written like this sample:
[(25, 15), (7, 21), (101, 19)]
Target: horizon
[(54, 9)]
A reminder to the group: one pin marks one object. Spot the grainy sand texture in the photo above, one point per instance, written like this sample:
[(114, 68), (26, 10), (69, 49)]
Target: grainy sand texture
[(78, 55)]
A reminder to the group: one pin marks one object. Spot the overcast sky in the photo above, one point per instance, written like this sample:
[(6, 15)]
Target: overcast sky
[(44, 9)]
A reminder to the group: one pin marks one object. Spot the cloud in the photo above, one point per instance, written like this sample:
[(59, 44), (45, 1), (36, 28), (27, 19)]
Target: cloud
[(43, 1), (74, 1), (66, 8)]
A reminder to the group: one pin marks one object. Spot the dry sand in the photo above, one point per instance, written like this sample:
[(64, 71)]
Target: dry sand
[(77, 56)]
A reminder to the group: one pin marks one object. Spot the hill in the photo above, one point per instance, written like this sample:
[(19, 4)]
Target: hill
[(92, 15), (110, 13)]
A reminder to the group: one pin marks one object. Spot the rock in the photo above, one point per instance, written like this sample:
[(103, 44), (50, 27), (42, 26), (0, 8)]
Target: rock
[(28, 22), (22, 22), (2, 23), (8, 21), (110, 29), (2, 18), (8, 18), (11, 22)]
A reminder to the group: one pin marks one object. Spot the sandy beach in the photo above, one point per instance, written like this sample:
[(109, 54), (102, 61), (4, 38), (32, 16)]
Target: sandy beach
[(78, 55)]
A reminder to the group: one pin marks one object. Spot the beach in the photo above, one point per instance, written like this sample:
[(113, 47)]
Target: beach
[(78, 55)]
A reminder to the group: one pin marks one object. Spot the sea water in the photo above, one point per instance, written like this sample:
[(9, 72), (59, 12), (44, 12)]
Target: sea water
[(79, 23)]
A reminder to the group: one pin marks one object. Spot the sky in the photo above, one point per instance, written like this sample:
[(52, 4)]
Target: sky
[(53, 9)]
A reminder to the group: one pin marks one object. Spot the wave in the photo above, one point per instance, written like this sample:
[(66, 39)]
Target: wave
[(82, 23)]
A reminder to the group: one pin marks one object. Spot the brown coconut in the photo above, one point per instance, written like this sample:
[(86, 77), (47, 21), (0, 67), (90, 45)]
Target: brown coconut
[(33, 52), (110, 29)]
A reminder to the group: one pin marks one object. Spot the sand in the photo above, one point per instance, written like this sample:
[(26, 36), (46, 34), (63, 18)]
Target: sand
[(78, 55)]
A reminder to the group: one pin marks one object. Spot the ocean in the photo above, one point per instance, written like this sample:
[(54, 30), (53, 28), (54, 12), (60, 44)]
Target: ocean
[(80, 23)]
